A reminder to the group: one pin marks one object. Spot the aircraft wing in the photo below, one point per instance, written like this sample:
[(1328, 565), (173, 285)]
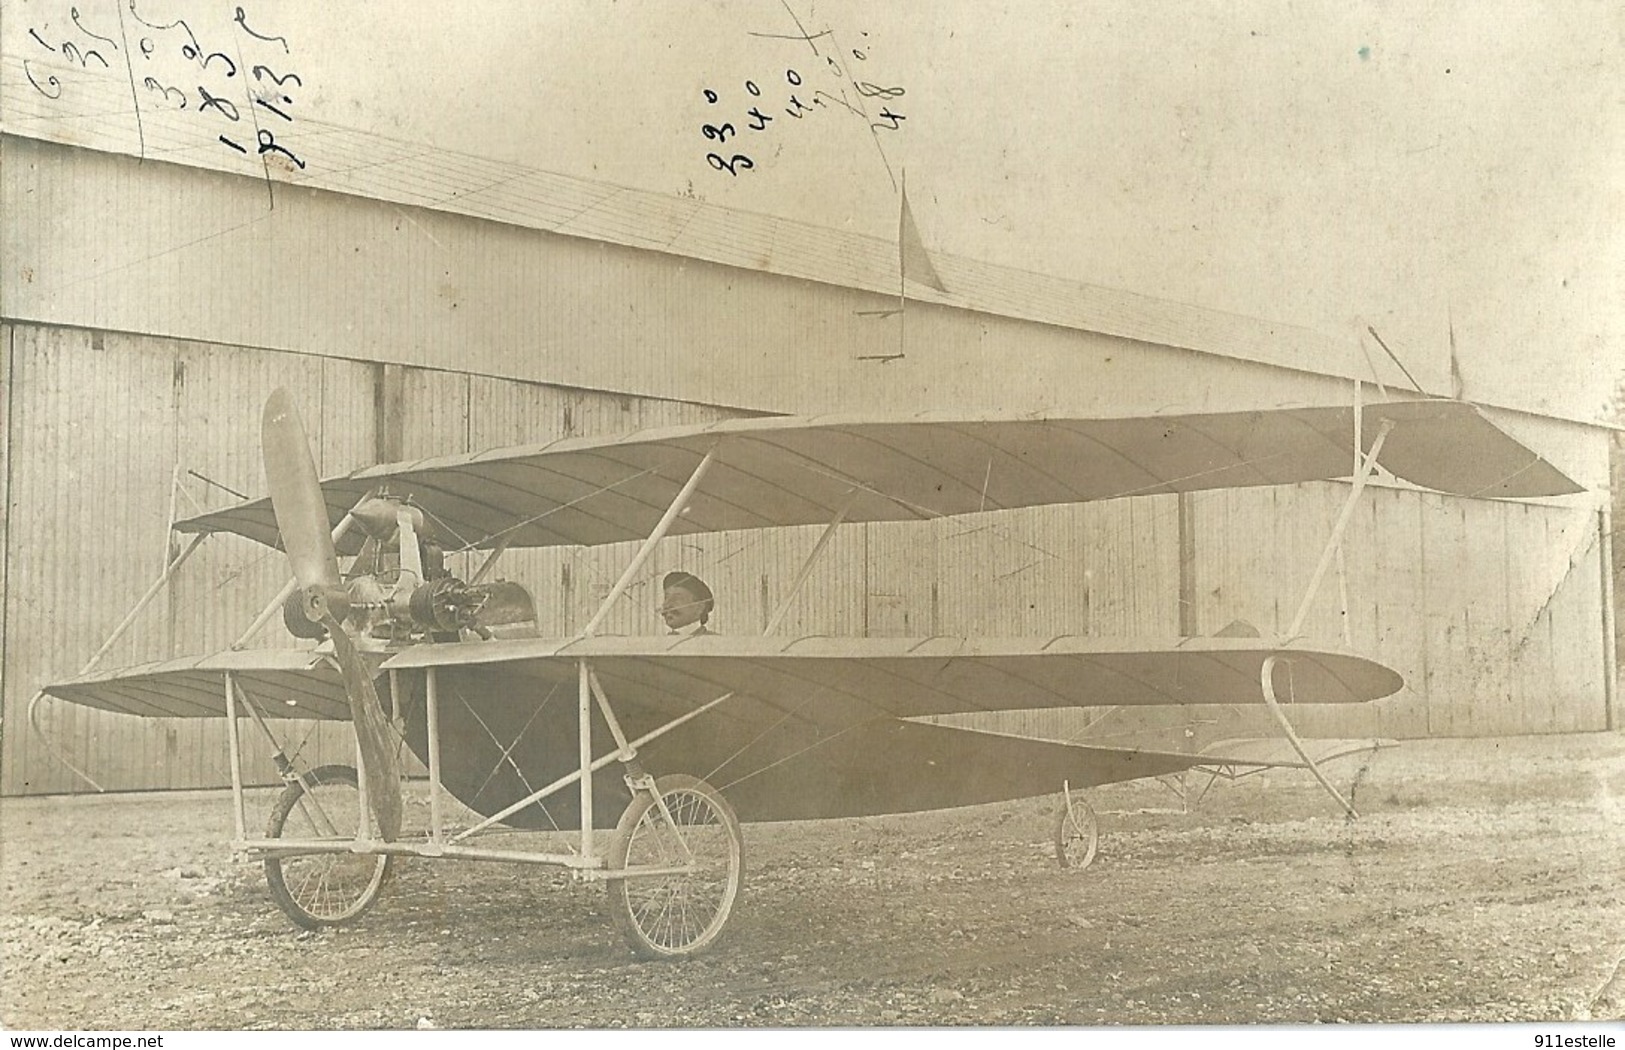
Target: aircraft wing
[(821, 727), (285, 683), (894, 766), (868, 677), (798, 471), (816, 727), (906, 678)]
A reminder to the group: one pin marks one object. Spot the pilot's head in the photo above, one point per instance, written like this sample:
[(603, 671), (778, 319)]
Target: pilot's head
[(685, 600)]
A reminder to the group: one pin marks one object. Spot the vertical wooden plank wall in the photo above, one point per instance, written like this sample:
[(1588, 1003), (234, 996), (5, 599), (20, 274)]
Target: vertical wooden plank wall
[(1490, 610), (96, 425), (83, 540)]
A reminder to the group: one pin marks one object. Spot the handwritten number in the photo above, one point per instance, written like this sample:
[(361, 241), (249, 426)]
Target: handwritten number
[(81, 57), (868, 90), (147, 48), (153, 85), (750, 85), (232, 144), (193, 53), (41, 40), (261, 72), (273, 109), (268, 145), (758, 116), (719, 134), (53, 81), (227, 108), (793, 77), (710, 96), (887, 115), (739, 161)]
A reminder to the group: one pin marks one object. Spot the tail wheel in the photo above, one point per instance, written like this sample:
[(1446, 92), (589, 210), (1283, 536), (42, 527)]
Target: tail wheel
[(1077, 832), (694, 863), (322, 889)]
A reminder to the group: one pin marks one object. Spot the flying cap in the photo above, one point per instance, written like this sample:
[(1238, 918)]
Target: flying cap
[(689, 582)]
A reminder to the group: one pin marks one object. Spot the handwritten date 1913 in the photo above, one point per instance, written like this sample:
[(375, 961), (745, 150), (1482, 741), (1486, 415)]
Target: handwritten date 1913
[(171, 67)]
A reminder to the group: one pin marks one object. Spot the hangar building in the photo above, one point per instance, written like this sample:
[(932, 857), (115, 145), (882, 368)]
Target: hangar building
[(418, 302)]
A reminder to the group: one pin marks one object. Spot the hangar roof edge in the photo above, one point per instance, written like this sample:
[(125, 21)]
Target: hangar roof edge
[(376, 167)]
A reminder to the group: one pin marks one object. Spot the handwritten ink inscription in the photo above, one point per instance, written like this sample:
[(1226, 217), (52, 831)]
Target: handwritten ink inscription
[(740, 118), (236, 79)]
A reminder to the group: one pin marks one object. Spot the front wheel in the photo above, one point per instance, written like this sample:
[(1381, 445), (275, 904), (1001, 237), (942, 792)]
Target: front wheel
[(322, 889), (694, 864), (1077, 831)]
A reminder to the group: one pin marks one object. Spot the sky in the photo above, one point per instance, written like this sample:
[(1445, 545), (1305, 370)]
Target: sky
[(1424, 169)]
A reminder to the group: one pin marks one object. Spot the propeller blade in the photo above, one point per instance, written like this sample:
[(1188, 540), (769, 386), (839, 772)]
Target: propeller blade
[(372, 734), (296, 495), (301, 517)]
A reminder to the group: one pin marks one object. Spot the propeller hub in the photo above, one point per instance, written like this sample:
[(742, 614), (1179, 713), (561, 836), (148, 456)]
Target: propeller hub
[(327, 604)]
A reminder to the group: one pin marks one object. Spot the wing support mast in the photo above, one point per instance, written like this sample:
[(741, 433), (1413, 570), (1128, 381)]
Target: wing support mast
[(807, 566), (678, 505), (589, 693), (1334, 548)]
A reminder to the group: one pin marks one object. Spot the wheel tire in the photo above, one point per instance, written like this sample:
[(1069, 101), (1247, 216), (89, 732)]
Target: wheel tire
[(671, 916), (322, 889), (1077, 833)]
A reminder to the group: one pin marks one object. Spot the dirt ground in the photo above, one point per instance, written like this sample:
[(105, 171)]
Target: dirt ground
[(1485, 881)]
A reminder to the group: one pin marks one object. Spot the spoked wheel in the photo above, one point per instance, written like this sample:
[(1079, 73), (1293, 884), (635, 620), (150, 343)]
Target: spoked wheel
[(1077, 831), (671, 913), (322, 889)]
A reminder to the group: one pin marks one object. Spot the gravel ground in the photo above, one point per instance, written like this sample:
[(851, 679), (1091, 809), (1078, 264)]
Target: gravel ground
[(1484, 882)]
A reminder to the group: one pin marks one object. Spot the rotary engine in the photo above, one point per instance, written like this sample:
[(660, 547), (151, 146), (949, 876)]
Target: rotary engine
[(399, 589)]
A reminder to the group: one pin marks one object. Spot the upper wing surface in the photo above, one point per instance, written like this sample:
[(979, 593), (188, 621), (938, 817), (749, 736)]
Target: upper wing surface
[(797, 471)]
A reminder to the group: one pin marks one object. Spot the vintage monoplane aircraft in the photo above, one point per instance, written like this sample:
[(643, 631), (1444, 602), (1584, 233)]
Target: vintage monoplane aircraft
[(671, 740)]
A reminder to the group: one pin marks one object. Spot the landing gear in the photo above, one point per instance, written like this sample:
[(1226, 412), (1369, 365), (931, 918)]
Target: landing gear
[(322, 889), (682, 858), (1077, 831)]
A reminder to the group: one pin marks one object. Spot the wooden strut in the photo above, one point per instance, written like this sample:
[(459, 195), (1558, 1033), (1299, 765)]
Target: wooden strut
[(285, 771), (431, 694), (339, 532), (807, 566), (491, 559), (584, 747), (238, 810), (678, 505), (1267, 676), (597, 764), (1368, 465), (1334, 546)]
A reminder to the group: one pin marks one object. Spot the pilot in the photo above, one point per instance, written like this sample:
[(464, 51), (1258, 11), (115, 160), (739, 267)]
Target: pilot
[(685, 603)]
